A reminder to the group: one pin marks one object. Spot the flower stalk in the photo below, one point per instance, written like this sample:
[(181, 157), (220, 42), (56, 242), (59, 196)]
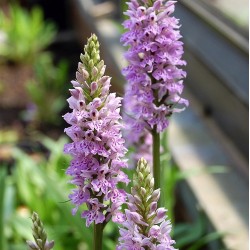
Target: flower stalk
[(156, 159), (98, 235)]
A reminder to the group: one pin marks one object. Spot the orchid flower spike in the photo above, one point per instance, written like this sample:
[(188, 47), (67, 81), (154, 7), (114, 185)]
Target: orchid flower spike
[(145, 227), (97, 146), (154, 74)]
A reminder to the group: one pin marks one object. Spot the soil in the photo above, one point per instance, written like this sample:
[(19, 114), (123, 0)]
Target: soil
[(13, 79)]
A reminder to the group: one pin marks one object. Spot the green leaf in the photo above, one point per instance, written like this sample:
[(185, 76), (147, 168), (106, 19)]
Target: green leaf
[(192, 233), (206, 240), (49, 84), (47, 194), (27, 34), (22, 225)]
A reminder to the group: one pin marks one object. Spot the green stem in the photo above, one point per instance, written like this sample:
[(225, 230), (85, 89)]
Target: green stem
[(98, 232), (3, 176), (156, 159)]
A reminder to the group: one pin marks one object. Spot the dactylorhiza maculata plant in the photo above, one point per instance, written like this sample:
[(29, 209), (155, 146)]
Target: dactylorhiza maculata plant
[(39, 235), (154, 56), (145, 226), (154, 77), (98, 147)]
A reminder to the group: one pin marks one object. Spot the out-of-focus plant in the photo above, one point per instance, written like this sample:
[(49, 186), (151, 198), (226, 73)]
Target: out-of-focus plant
[(8, 136), (39, 184), (23, 35), (48, 91), (195, 236)]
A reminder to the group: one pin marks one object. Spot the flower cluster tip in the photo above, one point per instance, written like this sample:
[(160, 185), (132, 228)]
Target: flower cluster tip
[(40, 237), (145, 226)]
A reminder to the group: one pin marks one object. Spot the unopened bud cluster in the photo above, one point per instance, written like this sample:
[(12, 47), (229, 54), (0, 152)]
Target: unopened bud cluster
[(145, 226), (39, 235)]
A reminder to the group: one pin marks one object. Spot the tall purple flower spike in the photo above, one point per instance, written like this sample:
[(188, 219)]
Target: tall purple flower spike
[(145, 226), (154, 77), (97, 146)]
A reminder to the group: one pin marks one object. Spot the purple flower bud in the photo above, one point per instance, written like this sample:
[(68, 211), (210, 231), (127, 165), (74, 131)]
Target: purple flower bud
[(93, 87), (49, 245), (103, 80), (157, 5), (79, 77), (74, 92), (137, 199), (95, 71), (76, 84), (32, 245), (156, 195), (102, 70), (160, 215), (143, 191), (85, 74), (153, 207), (135, 217)]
